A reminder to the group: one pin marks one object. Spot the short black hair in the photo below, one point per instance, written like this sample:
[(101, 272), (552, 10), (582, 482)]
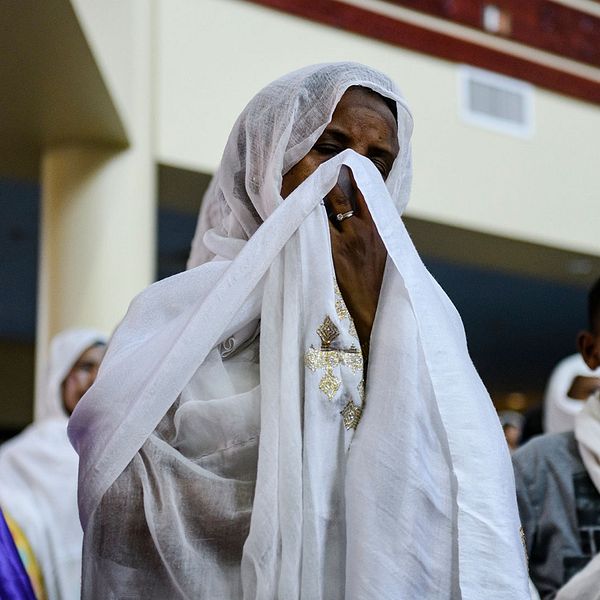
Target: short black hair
[(594, 307)]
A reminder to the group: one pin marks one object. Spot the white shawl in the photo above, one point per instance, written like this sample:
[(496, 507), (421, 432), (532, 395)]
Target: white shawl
[(418, 503), (583, 585), (38, 474), (559, 409), (587, 434)]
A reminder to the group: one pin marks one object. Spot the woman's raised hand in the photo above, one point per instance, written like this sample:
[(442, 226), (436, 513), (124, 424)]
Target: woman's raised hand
[(358, 254)]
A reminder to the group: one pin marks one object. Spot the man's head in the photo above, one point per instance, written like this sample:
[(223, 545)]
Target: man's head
[(82, 375), (588, 341)]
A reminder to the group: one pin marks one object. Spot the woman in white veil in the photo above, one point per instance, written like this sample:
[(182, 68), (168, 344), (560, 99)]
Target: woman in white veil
[(229, 448)]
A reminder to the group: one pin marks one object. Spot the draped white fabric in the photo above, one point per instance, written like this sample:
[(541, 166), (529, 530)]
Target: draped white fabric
[(587, 434), (213, 466), (583, 585), (560, 410), (38, 475)]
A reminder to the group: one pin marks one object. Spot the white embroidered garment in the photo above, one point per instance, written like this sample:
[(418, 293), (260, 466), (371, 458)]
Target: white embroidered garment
[(559, 409), (218, 464), (38, 474)]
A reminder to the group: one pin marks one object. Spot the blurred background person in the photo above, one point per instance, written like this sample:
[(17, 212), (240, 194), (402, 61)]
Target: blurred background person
[(558, 483), (38, 470), (572, 382), (512, 425)]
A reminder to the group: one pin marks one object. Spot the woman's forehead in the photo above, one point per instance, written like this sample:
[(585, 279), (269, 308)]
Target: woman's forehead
[(362, 113), (361, 97), (359, 93)]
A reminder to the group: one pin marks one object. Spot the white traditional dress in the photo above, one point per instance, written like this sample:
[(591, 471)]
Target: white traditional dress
[(38, 475), (229, 448)]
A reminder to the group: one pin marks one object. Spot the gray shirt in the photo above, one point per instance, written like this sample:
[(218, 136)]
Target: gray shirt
[(559, 508)]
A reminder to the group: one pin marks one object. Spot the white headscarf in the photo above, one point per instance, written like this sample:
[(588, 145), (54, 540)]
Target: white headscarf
[(559, 409), (38, 474), (65, 349), (418, 503)]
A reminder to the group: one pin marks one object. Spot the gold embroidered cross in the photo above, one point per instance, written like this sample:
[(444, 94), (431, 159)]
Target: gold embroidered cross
[(351, 414), (327, 358)]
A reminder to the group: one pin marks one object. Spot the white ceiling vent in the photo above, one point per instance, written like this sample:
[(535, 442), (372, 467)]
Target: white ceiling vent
[(496, 102)]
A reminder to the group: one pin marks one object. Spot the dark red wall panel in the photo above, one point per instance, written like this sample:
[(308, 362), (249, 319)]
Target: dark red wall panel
[(426, 41), (541, 24)]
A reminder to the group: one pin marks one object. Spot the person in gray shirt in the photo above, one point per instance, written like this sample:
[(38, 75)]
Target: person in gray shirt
[(559, 504), (559, 508)]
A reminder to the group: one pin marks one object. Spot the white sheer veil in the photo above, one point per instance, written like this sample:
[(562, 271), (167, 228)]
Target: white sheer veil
[(208, 458), (273, 133)]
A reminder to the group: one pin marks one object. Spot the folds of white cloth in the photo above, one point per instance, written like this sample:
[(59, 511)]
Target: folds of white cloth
[(209, 438), (38, 486), (584, 585), (559, 409), (587, 434)]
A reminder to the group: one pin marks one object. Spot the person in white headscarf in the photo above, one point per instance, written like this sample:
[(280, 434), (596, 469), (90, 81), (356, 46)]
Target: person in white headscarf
[(38, 468), (512, 425), (558, 487), (237, 445), (570, 385)]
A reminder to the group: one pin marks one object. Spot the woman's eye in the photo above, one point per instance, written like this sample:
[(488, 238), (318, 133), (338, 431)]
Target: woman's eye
[(327, 149), (382, 168)]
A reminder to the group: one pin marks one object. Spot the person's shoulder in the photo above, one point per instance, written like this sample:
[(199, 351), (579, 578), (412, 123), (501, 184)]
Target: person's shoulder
[(547, 449), (35, 438), (547, 444)]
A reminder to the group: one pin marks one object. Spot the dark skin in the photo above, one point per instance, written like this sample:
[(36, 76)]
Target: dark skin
[(583, 387), (363, 122), (588, 343), (81, 376)]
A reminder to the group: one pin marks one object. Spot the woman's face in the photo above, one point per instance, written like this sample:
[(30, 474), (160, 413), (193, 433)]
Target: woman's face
[(81, 376), (362, 122)]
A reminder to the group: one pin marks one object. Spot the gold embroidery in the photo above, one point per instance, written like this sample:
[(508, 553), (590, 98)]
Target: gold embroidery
[(351, 414), (352, 358), (322, 359), (329, 384), (327, 332), (361, 391), (524, 542), (328, 358), (342, 310)]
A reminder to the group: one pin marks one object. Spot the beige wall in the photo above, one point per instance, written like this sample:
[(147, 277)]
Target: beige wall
[(213, 55), (112, 32), (98, 226)]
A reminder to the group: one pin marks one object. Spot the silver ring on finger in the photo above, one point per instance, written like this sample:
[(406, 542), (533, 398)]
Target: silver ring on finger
[(346, 215)]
